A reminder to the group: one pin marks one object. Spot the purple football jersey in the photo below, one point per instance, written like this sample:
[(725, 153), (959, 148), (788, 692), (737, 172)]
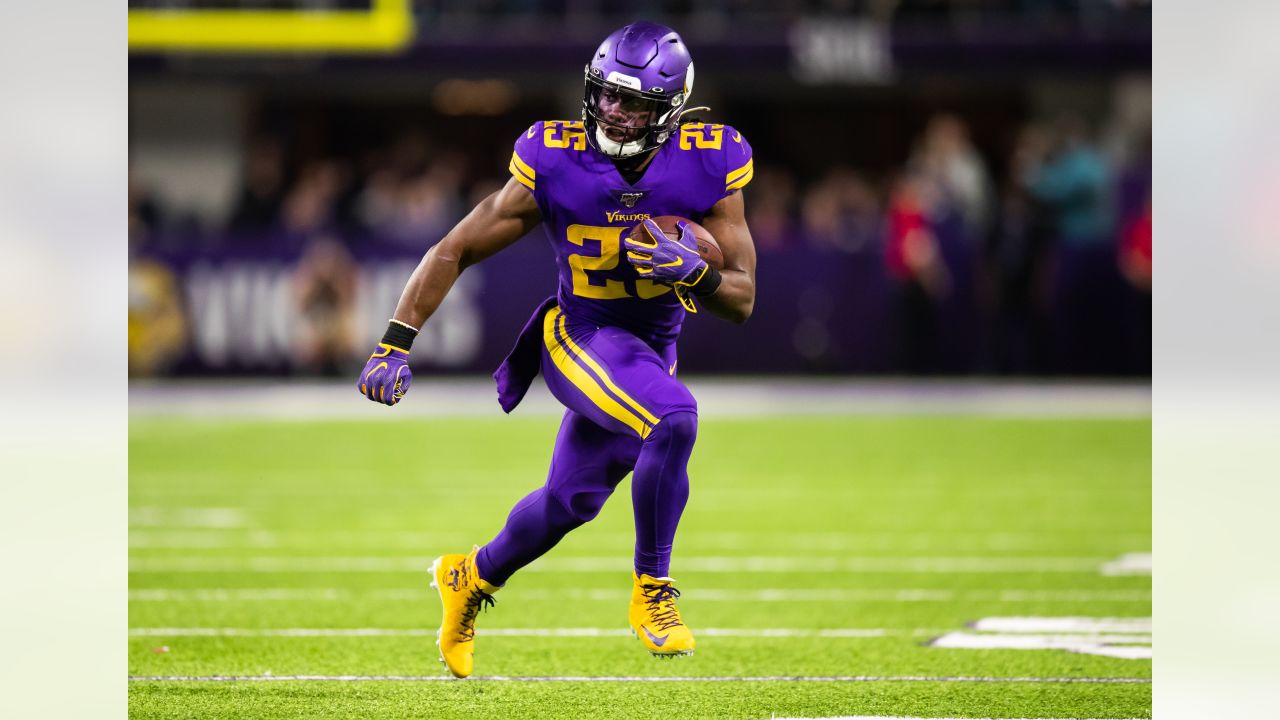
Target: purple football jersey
[(587, 209)]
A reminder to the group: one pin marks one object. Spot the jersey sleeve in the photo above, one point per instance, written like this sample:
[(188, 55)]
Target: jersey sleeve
[(738, 169), (524, 158)]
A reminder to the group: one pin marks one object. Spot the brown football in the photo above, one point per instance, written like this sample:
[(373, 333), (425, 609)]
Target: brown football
[(708, 248)]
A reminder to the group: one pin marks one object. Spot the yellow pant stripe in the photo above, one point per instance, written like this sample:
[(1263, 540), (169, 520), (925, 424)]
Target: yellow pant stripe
[(563, 360), (608, 381)]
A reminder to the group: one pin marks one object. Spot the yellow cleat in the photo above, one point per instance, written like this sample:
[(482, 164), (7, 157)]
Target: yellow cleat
[(655, 619), (462, 593)]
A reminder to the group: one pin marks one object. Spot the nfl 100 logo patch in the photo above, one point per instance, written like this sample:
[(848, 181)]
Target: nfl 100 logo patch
[(629, 199)]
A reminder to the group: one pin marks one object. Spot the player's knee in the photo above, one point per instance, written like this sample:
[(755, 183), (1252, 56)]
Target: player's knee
[(680, 427), (581, 506)]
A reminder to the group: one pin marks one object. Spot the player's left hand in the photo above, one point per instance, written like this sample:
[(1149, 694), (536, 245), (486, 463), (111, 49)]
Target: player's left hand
[(386, 377), (672, 261)]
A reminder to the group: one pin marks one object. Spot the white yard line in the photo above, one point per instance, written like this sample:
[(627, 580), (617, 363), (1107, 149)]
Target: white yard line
[(247, 538), (638, 678), (593, 564), (787, 595), (1135, 563), (1073, 596), (1063, 625), (914, 718), (1035, 641), (215, 518), (246, 595), (258, 595), (1126, 647), (947, 639), (588, 632), (1124, 638), (717, 398)]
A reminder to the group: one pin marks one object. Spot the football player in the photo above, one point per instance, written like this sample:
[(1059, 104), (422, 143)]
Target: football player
[(606, 343)]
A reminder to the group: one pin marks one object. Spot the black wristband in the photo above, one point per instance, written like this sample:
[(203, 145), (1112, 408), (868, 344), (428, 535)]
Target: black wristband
[(708, 283), (399, 336)]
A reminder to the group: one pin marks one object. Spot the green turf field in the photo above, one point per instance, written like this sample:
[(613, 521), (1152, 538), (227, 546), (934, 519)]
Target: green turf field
[(833, 550)]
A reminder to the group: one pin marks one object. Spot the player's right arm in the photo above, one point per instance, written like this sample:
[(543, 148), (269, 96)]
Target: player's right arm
[(497, 222)]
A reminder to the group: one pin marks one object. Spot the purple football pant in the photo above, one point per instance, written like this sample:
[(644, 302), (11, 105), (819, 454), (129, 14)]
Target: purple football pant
[(626, 412)]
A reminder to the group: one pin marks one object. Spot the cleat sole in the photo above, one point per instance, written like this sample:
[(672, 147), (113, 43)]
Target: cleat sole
[(435, 567)]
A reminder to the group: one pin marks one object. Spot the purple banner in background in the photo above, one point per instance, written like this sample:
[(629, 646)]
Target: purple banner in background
[(269, 307), (260, 307)]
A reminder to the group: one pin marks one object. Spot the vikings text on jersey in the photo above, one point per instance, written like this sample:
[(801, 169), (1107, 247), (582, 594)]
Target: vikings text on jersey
[(587, 207)]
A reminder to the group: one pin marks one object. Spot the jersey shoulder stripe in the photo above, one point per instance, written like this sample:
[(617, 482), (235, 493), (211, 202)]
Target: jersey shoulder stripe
[(740, 177), (525, 157), (522, 171), (739, 165), (536, 150)]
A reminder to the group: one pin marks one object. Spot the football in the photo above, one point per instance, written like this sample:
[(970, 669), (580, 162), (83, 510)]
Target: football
[(708, 248)]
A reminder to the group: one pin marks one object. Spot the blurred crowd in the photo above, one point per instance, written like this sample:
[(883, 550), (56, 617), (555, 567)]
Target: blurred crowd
[(1052, 254), (1055, 255), (726, 12), (405, 192)]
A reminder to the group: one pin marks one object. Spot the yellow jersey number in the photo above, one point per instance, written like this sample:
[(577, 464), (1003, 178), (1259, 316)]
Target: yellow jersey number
[(564, 134), (701, 135), (584, 266)]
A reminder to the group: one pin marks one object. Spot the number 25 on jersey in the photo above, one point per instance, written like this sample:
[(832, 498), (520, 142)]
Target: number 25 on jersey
[(586, 268)]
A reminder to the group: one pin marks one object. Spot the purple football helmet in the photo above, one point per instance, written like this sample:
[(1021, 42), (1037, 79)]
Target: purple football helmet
[(636, 85)]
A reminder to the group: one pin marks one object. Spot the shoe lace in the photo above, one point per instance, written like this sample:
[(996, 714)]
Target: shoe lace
[(662, 605), (478, 600)]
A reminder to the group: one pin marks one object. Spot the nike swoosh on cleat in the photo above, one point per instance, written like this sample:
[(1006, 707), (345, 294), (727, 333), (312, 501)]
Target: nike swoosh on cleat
[(659, 641)]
